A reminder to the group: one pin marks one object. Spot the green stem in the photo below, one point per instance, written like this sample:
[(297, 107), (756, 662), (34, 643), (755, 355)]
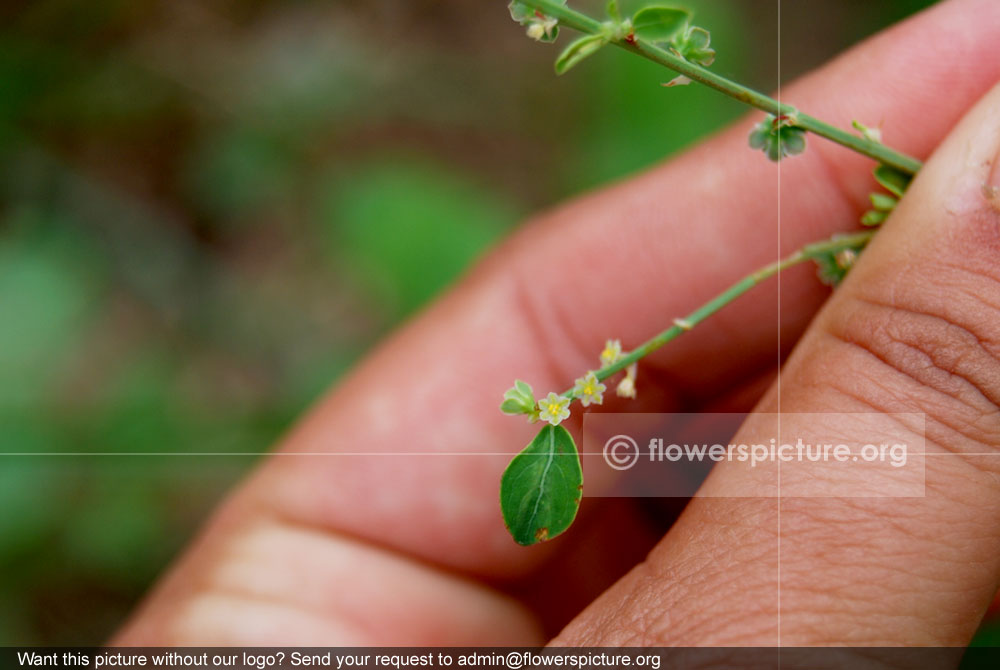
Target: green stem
[(806, 253), (581, 22)]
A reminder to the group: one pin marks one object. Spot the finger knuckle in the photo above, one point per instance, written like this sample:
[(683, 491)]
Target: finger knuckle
[(927, 341)]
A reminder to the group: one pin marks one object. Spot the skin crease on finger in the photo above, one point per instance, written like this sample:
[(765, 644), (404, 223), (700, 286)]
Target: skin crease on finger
[(440, 515), (915, 328)]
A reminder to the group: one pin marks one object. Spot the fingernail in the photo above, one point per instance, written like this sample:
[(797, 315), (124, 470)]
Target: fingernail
[(975, 160), (991, 187)]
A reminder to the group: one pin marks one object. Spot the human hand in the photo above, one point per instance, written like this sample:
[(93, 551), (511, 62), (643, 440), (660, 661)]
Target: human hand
[(409, 549)]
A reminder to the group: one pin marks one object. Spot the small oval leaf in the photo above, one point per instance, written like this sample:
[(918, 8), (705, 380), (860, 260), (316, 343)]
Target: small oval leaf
[(512, 406), (520, 12), (873, 218), (614, 13), (541, 488), (893, 180), (659, 24), (883, 202), (577, 51)]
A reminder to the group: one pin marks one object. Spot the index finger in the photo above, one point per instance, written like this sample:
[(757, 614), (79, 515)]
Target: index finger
[(620, 262)]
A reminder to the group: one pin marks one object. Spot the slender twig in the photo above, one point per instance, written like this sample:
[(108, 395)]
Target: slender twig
[(806, 253), (578, 21)]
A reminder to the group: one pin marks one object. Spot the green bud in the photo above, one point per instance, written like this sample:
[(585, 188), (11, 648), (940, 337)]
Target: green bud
[(777, 138), (693, 46), (519, 399)]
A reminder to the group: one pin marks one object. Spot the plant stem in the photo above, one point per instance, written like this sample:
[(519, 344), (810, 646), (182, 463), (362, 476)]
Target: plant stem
[(806, 253), (581, 22)]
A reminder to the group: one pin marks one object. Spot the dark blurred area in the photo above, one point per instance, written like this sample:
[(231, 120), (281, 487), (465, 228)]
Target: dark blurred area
[(210, 210)]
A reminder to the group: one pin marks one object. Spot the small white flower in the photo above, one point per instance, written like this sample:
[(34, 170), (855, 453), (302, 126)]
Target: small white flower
[(541, 29), (612, 352), (554, 408), (626, 387), (589, 390)]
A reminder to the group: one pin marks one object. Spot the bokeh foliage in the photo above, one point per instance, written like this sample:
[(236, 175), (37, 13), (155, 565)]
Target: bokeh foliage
[(208, 211)]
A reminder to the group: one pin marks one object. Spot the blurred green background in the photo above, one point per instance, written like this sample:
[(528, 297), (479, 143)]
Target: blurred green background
[(210, 210)]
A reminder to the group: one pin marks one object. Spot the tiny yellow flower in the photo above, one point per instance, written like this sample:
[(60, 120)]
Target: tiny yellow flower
[(554, 408), (626, 387), (612, 352), (589, 390)]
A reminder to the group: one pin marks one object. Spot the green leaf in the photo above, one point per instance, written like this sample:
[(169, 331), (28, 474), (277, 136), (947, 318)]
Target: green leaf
[(512, 406), (873, 217), (541, 488), (760, 136), (577, 51), (892, 179), (614, 12), (659, 24), (521, 12), (882, 202), (793, 141), (777, 138), (693, 46)]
